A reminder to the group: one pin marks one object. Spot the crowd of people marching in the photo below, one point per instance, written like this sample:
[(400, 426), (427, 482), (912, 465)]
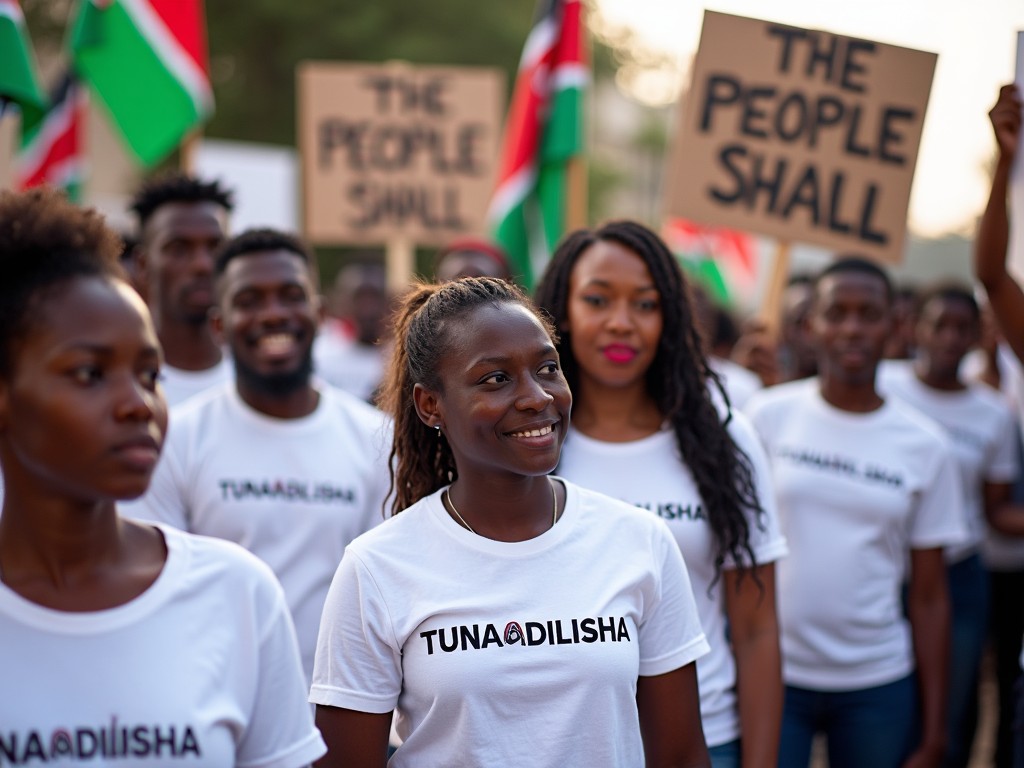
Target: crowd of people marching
[(409, 551)]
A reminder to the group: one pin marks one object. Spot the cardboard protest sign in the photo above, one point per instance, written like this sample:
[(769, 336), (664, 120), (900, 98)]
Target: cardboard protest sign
[(395, 151), (799, 134)]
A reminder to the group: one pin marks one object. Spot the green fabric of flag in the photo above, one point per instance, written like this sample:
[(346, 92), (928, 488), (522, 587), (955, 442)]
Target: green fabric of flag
[(133, 59), (18, 79)]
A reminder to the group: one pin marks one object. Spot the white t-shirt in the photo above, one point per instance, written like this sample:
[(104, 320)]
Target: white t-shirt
[(179, 385), (650, 474), (348, 365), (982, 429), (200, 669), (1001, 552), (499, 653), (856, 492), (740, 384), (294, 492)]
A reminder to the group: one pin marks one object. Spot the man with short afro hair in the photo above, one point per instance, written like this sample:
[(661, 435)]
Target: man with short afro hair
[(181, 222)]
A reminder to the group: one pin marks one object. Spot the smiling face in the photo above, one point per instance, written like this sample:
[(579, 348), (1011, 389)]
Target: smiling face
[(81, 414), (268, 314), (614, 317), (178, 244), (849, 321), (503, 404)]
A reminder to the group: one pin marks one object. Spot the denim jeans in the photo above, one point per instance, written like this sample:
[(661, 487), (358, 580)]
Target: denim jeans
[(874, 727), (725, 755), (968, 595)]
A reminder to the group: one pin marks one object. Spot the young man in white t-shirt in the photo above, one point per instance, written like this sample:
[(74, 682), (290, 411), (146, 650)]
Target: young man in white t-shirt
[(982, 429), (290, 469), (868, 496), (181, 222)]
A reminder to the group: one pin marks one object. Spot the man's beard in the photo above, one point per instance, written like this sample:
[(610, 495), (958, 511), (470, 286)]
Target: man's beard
[(276, 384)]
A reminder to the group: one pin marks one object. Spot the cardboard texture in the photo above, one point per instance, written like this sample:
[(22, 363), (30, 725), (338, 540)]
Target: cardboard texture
[(397, 151), (798, 134)]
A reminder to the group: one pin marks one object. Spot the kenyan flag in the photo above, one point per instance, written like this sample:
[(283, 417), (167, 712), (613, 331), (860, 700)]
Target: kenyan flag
[(51, 147), (543, 131), (18, 80), (146, 60)]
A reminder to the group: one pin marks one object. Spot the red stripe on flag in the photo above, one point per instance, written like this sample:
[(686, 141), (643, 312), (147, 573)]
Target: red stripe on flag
[(64, 145), (570, 48), (184, 19)]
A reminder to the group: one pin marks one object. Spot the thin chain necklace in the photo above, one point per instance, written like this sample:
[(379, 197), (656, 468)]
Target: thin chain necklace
[(462, 520)]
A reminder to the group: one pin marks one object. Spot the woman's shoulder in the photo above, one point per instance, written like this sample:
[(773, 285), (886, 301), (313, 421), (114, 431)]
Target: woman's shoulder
[(218, 565)]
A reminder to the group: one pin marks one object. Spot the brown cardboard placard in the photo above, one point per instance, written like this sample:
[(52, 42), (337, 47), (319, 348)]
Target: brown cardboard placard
[(803, 135), (397, 151)]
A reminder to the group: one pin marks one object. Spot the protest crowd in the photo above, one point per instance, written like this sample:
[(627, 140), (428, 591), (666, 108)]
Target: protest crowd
[(582, 517)]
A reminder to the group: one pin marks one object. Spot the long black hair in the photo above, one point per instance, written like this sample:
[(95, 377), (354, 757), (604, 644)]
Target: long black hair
[(678, 380)]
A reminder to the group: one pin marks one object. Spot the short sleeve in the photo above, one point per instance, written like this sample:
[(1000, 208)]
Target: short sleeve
[(939, 517), (280, 732), (358, 661), (670, 632)]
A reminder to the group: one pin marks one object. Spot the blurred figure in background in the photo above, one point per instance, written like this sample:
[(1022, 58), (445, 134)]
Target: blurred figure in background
[(739, 383), (1007, 302), (868, 496), (471, 257), (983, 432), (351, 351), (798, 358), (181, 222), (900, 345)]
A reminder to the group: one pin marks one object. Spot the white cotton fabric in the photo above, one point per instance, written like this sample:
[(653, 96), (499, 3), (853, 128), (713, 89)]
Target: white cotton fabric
[(1000, 552), (982, 429), (180, 385), (565, 623), (856, 492), (650, 474), (740, 384), (200, 669), (294, 492), (348, 365)]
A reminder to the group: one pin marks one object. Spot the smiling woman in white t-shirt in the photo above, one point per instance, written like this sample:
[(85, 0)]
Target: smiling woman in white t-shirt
[(646, 430), (119, 641), (507, 617)]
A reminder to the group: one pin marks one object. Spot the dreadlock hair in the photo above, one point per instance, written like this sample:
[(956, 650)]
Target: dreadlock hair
[(177, 187), (421, 460), (46, 242), (678, 380)]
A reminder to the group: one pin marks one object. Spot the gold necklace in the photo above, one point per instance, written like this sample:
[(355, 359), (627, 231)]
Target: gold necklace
[(462, 520)]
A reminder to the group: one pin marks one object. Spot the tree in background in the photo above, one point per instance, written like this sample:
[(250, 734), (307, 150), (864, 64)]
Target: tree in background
[(255, 45)]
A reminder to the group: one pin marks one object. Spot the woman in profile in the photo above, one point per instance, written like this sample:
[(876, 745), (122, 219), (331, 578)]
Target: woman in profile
[(118, 640)]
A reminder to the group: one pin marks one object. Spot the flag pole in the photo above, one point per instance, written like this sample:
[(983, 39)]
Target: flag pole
[(772, 304), (576, 194), (188, 151)]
